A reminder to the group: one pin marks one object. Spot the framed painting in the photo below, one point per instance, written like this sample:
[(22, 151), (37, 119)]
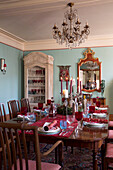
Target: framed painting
[(64, 73)]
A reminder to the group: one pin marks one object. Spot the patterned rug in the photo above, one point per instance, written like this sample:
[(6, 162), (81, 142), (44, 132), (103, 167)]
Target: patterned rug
[(80, 159)]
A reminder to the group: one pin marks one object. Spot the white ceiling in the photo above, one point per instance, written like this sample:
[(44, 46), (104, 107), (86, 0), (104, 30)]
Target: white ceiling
[(33, 19)]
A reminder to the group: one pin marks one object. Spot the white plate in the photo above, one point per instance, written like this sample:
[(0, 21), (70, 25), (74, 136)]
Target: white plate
[(101, 115), (101, 108), (92, 124), (51, 131)]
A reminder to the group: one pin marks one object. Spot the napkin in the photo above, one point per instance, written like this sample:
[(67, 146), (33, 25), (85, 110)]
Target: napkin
[(40, 111), (50, 125), (22, 116)]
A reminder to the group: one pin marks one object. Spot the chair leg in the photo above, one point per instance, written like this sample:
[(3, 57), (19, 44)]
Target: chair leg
[(105, 167), (0, 160)]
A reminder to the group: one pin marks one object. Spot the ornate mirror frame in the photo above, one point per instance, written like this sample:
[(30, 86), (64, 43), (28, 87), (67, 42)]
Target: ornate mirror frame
[(89, 57)]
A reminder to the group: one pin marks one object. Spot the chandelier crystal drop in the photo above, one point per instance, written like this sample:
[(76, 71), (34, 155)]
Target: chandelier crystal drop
[(71, 34)]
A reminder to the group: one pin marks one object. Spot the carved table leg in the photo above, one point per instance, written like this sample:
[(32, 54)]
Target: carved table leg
[(95, 160)]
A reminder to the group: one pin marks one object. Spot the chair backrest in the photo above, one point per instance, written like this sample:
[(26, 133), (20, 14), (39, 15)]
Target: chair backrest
[(13, 144), (2, 113), (14, 108), (25, 103)]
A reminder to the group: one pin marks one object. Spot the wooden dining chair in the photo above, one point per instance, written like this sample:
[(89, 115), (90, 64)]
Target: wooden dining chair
[(25, 104), (2, 118), (110, 123), (108, 157), (14, 108), (20, 155), (2, 112)]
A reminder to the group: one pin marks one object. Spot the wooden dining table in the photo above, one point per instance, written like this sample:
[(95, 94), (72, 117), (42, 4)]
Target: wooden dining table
[(87, 137)]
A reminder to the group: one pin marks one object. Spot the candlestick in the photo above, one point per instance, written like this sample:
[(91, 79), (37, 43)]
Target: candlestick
[(71, 86), (80, 87), (61, 85), (77, 85), (67, 83)]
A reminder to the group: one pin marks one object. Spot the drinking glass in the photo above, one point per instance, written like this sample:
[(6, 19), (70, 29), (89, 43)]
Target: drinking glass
[(94, 101), (79, 116), (48, 101), (98, 103), (91, 109), (70, 120), (63, 124)]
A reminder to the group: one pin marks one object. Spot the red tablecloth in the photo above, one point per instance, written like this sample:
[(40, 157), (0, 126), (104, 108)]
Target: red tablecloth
[(69, 131)]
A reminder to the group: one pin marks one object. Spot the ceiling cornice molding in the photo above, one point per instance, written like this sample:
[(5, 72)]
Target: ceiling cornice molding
[(6, 33), (50, 44), (11, 40), (42, 6), (92, 41)]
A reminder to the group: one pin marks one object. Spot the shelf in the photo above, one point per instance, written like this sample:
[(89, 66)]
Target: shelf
[(43, 76), (41, 101), (36, 95), (36, 86)]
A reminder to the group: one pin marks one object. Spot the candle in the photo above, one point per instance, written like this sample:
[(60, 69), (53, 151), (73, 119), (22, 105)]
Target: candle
[(67, 83), (66, 93), (77, 85), (71, 86), (61, 85)]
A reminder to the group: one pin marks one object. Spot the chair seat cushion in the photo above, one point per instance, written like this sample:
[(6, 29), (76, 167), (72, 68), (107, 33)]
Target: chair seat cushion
[(109, 150), (49, 166), (110, 134), (32, 165), (110, 124)]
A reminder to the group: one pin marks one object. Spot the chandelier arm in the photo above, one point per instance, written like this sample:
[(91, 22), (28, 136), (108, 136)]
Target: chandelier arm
[(71, 34)]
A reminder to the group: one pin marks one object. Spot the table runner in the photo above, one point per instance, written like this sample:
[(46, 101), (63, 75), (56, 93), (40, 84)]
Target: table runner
[(58, 118)]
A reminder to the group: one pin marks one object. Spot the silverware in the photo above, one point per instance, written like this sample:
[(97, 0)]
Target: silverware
[(62, 132), (65, 132)]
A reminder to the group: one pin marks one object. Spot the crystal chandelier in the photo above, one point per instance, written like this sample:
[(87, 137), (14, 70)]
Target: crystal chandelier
[(71, 34)]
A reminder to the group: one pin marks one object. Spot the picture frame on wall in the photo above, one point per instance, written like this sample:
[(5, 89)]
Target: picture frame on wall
[(64, 72)]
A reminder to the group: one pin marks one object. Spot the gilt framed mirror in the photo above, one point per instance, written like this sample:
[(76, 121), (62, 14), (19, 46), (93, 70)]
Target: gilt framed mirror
[(89, 72)]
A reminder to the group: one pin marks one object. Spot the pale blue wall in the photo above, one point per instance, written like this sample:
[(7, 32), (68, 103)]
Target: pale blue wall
[(11, 84), (71, 57)]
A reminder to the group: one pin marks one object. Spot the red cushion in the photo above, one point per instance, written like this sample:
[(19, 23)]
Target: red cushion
[(110, 124), (49, 166), (32, 165), (110, 134), (109, 150)]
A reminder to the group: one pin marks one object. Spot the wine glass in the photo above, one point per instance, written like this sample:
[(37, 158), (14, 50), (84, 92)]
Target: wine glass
[(98, 103), (70, 118), (94, 101), (79, 116)]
